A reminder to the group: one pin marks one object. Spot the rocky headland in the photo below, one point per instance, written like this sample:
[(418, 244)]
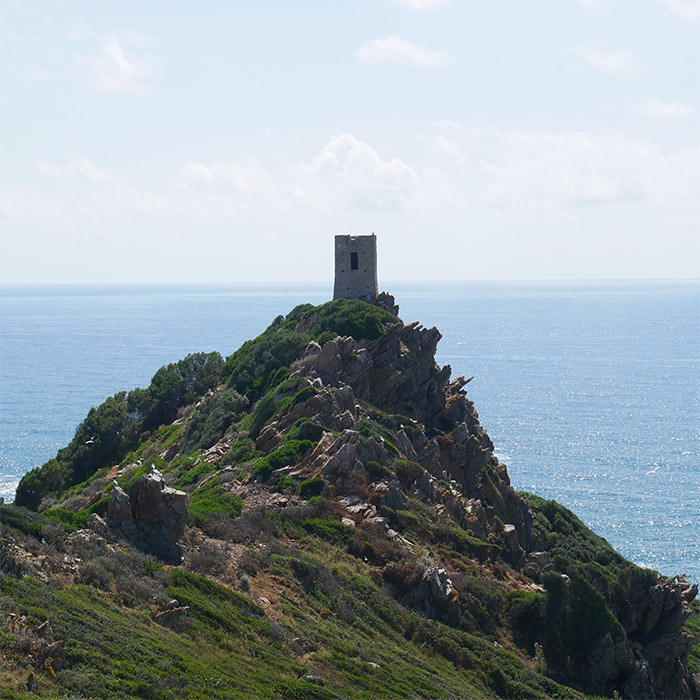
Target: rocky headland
[(321, 515)]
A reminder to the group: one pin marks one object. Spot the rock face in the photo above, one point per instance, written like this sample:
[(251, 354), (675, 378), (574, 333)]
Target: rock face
[(155, 521), (161, 506), (397, 373), (648, 657), (436, 597), (119, 505), (173, 615)]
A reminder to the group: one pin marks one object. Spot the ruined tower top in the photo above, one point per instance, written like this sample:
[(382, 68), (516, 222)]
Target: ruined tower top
[(355, 267)]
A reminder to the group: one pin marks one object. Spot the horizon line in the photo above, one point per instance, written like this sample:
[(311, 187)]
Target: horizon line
[(278, 283)]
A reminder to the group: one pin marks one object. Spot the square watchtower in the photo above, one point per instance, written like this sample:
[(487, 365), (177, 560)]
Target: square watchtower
[(355, 267)]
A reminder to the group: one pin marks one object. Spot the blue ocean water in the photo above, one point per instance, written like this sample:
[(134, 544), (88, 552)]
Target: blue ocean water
[(590, 391)]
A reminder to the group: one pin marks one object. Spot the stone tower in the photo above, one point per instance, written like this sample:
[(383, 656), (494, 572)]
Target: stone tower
[(355, 267)]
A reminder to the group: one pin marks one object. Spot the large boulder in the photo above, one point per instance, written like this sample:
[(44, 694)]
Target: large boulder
[(160, 505), (119, 506), (155, 520), (436, 596)]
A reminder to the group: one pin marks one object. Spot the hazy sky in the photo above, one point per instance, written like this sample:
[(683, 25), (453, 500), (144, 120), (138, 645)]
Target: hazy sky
[(229, 141)]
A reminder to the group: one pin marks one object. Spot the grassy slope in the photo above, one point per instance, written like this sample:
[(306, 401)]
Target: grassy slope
[(364, 644)]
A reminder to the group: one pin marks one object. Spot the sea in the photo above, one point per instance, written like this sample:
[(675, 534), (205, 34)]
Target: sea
[(590, 391)]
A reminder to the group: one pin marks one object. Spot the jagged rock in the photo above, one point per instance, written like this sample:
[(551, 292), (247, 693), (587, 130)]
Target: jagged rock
[(175, 617), (335, 457), (648, 658), (160, 505), (158, 519), (425, 488), (333, 407), (393, 497), (44, 630), (387, 302), (51, 657), (436, 596), (541, 559), (119, 505), (11, 562), (404, 446), (511, 537), (98, 525)]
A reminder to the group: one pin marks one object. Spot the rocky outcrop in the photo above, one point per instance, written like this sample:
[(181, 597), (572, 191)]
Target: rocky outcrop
[(14, 561), (398, 374), (173, 615), (156, 521), (436, 597), (160, 506), (332, 407), (119, 508), (648, 658)]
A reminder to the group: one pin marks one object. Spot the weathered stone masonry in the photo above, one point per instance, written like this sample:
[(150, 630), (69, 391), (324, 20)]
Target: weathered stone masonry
[(355, 267)]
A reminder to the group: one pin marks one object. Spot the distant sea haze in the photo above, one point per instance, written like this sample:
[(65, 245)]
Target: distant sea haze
[(589, 391)]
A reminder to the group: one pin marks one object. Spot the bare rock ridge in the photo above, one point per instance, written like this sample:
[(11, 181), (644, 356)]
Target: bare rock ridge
[(397, 373)]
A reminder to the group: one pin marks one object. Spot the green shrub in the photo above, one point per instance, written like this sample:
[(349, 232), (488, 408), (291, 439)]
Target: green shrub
[(22, 519), (207, 424), (239, 452), (197, 472), (70, 520), (407, 472), (306, 429), (463, 542), (331, 530), (113, 429), (526, 612), (174, 386), (211, 500), (289, 453), (263, 363), (369, 428), (377, 471), (295, 689), (312, 487), (353, 317), (271, 402)]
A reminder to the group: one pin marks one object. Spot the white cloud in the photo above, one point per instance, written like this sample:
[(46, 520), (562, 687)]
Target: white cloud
[(19, 204), (120, 62), (442, 146), (228, 190), (612, 62), (395, 49), (651, 107), (423, 5), (687, 10), (113, 67), (77, 165), (349, 174), (537, 170)]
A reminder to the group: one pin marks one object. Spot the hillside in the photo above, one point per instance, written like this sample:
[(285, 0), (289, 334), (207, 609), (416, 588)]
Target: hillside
[(320, 515)]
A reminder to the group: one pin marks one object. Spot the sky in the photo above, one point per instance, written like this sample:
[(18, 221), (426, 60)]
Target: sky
[(229, 141)]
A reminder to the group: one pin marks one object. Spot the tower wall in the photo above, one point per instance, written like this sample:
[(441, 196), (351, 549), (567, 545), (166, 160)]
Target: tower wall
[(358, 252)]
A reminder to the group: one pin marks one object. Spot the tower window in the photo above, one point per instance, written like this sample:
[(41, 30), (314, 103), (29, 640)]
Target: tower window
[(353, 261)]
